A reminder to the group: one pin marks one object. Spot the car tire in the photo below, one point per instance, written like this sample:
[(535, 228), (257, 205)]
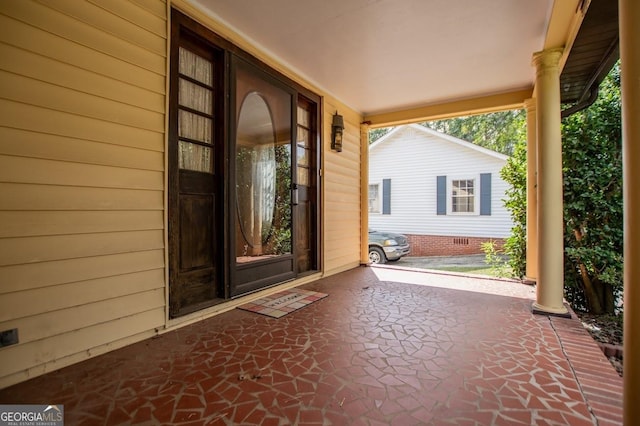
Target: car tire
[(376, 255)]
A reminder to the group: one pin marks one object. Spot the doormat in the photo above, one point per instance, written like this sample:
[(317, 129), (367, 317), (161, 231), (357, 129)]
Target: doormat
[(282, 303)]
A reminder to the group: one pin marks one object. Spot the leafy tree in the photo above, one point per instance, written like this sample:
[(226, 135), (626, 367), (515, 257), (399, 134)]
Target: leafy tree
[(280, 237), (498, 131), (375, 134), (592, 169), (515, 174), (592, 166)]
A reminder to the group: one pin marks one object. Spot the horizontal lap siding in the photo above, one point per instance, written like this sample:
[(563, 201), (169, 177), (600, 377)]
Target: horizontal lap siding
[(16, 278), (39, 223), (341, 193), (413, 161), (82, 104)]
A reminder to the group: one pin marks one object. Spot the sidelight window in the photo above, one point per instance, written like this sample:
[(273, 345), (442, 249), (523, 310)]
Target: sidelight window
[(195, 112)]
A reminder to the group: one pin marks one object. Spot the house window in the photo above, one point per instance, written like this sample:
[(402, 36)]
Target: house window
[(374, 198), (463, 196)]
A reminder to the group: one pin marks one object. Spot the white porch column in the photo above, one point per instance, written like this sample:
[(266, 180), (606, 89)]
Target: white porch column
[(532, 197), (629, 16), (550, 279)]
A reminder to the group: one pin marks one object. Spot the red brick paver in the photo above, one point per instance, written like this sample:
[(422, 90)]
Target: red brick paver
[(386, 347), (600, 384)]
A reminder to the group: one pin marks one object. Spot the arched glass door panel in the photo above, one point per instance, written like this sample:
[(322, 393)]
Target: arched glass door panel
[(255, 176)]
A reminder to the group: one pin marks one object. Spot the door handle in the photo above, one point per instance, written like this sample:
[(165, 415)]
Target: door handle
[(294, 194)]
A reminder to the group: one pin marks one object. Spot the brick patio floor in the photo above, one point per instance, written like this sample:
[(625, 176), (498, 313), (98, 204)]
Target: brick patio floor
[(388, 346)]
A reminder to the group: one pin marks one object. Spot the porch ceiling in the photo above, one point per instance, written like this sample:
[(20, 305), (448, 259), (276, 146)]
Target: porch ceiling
[(386, 55)]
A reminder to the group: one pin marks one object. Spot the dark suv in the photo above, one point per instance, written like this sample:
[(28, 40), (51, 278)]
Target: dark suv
[(387, 246)]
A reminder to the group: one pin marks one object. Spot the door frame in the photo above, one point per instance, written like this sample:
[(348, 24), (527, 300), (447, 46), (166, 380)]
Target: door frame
[(184, 31), (227, 270)]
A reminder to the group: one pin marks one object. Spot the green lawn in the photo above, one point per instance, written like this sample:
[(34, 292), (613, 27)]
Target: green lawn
[(486, 270)]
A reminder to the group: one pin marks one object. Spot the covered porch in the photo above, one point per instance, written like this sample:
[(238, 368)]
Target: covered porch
[(89, 174), (387, 346)]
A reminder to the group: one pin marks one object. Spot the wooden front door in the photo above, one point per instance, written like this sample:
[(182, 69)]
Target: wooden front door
[(262, 176), (195, 178), (243, 172)]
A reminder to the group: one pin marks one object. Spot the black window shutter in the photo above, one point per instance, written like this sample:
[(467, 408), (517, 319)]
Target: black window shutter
[(485, 194), (386, 196), (442, 195)]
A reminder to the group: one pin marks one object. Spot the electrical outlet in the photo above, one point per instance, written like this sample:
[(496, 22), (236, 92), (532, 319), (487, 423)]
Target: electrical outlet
[(8, 337)]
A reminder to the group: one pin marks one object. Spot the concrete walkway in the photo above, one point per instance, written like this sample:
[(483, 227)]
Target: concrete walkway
[(435, 262)]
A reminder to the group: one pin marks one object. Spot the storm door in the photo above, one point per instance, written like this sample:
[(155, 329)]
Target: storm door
[(195, 179), (263, 170)]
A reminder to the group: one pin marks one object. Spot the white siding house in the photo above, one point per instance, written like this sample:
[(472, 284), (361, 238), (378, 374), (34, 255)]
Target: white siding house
[(446, 194)]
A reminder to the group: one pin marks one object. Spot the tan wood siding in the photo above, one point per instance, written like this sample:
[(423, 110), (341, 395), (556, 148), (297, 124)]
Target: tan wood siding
[(138, 11), (53, 298), (21, 357), (70, 28), (53, 323), (341, 219), (82, 122), (45, 95), (16, 251), (114, 24), (44, 120), (22, 143), (48, 45), (28, 373), (33, 170), (39, 223), (49, 197), (49, 70), (42, 274)]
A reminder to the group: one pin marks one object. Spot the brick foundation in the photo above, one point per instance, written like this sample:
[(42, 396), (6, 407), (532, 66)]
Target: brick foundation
[(436, 245)]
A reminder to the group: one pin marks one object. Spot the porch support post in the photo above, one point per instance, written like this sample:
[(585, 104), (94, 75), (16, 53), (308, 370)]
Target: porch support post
[(629, 16), (364, 194), (549, 291), (532, 197)]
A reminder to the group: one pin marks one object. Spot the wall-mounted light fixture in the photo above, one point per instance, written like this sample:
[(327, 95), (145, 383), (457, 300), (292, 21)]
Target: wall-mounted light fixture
[(337, 130)]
